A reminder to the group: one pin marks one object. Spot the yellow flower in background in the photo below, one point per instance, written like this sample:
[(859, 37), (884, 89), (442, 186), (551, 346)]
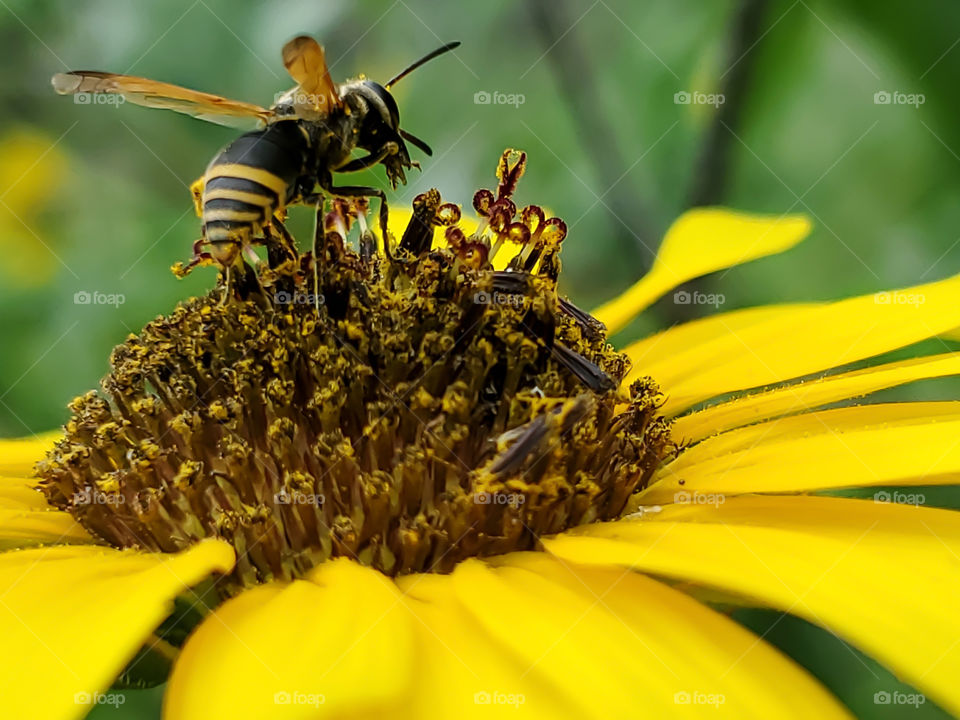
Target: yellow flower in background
[(31, 172), (444, 495)]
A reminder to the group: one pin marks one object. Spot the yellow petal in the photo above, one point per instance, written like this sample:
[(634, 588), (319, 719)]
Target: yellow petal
[(400, 218), (397, 222), (537, 638), (699, 242), (557, 634), (466, 673), (19, 455), (336, 644), (659, 626), (29, 528), (802, 342), (26, 520), (883, 577), (884, 444), (20, 494), (657, 350), (801, 396), (72, 617), (843, 518)]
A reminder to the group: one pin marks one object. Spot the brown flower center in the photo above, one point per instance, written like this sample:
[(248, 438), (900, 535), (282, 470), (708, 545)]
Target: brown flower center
[(408, 407)]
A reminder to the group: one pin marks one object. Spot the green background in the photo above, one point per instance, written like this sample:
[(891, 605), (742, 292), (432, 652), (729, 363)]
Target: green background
[(94, 198)]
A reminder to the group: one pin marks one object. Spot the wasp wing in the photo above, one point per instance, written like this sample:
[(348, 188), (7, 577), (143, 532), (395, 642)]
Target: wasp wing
[(155, 94), (304, 59)]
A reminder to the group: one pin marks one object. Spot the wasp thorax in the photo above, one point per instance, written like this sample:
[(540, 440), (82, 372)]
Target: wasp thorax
[(408, 406)]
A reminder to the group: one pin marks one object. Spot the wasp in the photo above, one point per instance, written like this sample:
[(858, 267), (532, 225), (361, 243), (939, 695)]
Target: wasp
[(291, 149)]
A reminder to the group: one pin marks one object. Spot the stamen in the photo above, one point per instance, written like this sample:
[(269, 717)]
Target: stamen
[(427, 410)]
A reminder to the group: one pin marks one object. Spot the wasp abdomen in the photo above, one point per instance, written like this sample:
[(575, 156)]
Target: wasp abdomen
[(252, 178)]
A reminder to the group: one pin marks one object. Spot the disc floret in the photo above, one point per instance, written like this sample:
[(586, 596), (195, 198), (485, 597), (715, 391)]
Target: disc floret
[(406, 405)]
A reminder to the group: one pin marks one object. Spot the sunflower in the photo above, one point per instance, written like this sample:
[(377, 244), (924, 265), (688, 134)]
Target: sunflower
[(410, 480)]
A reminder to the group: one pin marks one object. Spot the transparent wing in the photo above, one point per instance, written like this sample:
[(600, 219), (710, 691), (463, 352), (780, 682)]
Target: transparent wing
[(155, 94)]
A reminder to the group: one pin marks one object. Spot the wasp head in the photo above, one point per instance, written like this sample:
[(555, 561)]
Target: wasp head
[(379, 126)]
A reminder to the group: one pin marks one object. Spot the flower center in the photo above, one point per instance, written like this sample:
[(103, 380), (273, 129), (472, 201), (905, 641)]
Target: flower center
[(408, 407)]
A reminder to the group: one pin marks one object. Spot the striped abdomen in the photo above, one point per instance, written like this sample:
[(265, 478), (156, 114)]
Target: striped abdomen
[(252, 178)]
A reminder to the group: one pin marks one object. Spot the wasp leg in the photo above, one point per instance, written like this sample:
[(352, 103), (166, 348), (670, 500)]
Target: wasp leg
[(362, 191), (282, 248), (317, 248), (317, 200), (374, 158), (240, 280), (226, 286), (248, 283), (219, 254)]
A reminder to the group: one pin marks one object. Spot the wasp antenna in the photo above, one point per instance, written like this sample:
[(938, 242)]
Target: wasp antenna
[(426, 58), (416, 141)]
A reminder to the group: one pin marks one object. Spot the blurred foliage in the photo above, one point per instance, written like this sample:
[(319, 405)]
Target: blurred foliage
[(94, 198)]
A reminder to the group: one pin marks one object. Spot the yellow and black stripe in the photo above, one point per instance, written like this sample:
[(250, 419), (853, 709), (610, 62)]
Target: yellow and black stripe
[(251, 179)]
